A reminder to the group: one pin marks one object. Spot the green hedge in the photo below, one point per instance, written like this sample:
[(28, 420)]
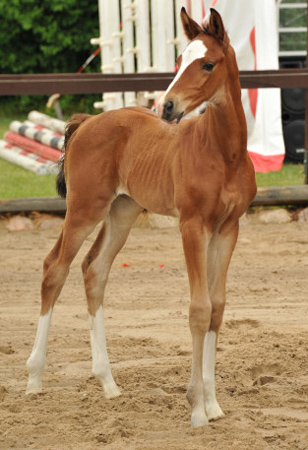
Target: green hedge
[(47, 37)]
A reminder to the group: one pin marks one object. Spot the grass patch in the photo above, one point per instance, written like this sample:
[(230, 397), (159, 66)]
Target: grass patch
[(289, 175), (16, 182)]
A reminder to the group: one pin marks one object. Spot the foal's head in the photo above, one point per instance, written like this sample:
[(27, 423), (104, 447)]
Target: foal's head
[(202, 67)]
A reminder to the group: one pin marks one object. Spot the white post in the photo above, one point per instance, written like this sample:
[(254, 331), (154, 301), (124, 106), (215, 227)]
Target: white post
[(142, 47), (163, 39), (163, 35), (110, 42), (128, 22), (143, 36), (180, 35)]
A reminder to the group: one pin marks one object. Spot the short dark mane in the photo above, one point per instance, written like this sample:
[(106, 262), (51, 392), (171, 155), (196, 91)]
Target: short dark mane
[(206, 30)]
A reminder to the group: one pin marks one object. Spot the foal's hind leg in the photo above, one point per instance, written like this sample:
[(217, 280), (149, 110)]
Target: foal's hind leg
[(96, 267), (56, 268)]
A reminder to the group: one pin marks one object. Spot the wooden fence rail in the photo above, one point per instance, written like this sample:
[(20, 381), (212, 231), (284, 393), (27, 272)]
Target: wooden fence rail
[(66, 83)]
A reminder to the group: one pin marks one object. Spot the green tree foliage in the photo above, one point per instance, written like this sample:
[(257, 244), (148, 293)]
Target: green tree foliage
[(46, 36)]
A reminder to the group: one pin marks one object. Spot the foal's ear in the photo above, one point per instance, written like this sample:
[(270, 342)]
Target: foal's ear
[(216, 27), (191, 28)]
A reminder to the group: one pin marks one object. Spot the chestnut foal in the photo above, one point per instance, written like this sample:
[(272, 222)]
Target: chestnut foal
[(120, 163)]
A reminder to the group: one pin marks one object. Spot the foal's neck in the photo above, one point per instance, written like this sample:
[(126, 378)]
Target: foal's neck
[(225, 120)]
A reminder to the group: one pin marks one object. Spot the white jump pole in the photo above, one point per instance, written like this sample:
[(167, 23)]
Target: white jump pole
[(47, 121), (44, 136), (14, 156)]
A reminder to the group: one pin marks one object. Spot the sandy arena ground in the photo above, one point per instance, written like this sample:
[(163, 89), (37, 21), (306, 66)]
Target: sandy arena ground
[(262, 367)]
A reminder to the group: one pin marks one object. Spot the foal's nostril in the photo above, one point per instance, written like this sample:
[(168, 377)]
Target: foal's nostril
[(168, 107)]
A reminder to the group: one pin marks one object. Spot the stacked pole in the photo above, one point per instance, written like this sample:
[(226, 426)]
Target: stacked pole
[(35, 144)]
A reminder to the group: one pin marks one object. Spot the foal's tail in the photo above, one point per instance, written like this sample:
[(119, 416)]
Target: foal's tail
[(70, 128)]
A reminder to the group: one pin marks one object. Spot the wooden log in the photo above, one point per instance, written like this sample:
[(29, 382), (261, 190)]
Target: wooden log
[(281, 195), (41, 204), (269, 196)]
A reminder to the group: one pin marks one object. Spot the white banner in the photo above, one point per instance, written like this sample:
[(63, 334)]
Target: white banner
[(253, 31)]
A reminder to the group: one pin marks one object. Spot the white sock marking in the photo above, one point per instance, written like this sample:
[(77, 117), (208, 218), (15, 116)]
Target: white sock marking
[(36, 361), (209, 355), (100, 360)]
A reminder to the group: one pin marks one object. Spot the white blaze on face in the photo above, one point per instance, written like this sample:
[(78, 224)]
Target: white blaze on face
[(194, 50)]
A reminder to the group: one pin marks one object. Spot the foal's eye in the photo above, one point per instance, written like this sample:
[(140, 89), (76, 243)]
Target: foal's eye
[(208, 67)]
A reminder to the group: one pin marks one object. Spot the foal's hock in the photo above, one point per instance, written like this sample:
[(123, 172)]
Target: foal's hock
[(122, 162)]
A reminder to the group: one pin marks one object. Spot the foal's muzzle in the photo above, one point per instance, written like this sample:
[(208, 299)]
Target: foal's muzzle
[(170, 113)]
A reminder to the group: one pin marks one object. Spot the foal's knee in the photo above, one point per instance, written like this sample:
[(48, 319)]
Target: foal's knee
[(49, 262), (90, 271), (86, 264), (94, 282), (217, 315), (200, 316)]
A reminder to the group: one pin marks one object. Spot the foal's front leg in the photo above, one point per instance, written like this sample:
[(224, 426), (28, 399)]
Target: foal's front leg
[(219, 256), (195, 242)]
